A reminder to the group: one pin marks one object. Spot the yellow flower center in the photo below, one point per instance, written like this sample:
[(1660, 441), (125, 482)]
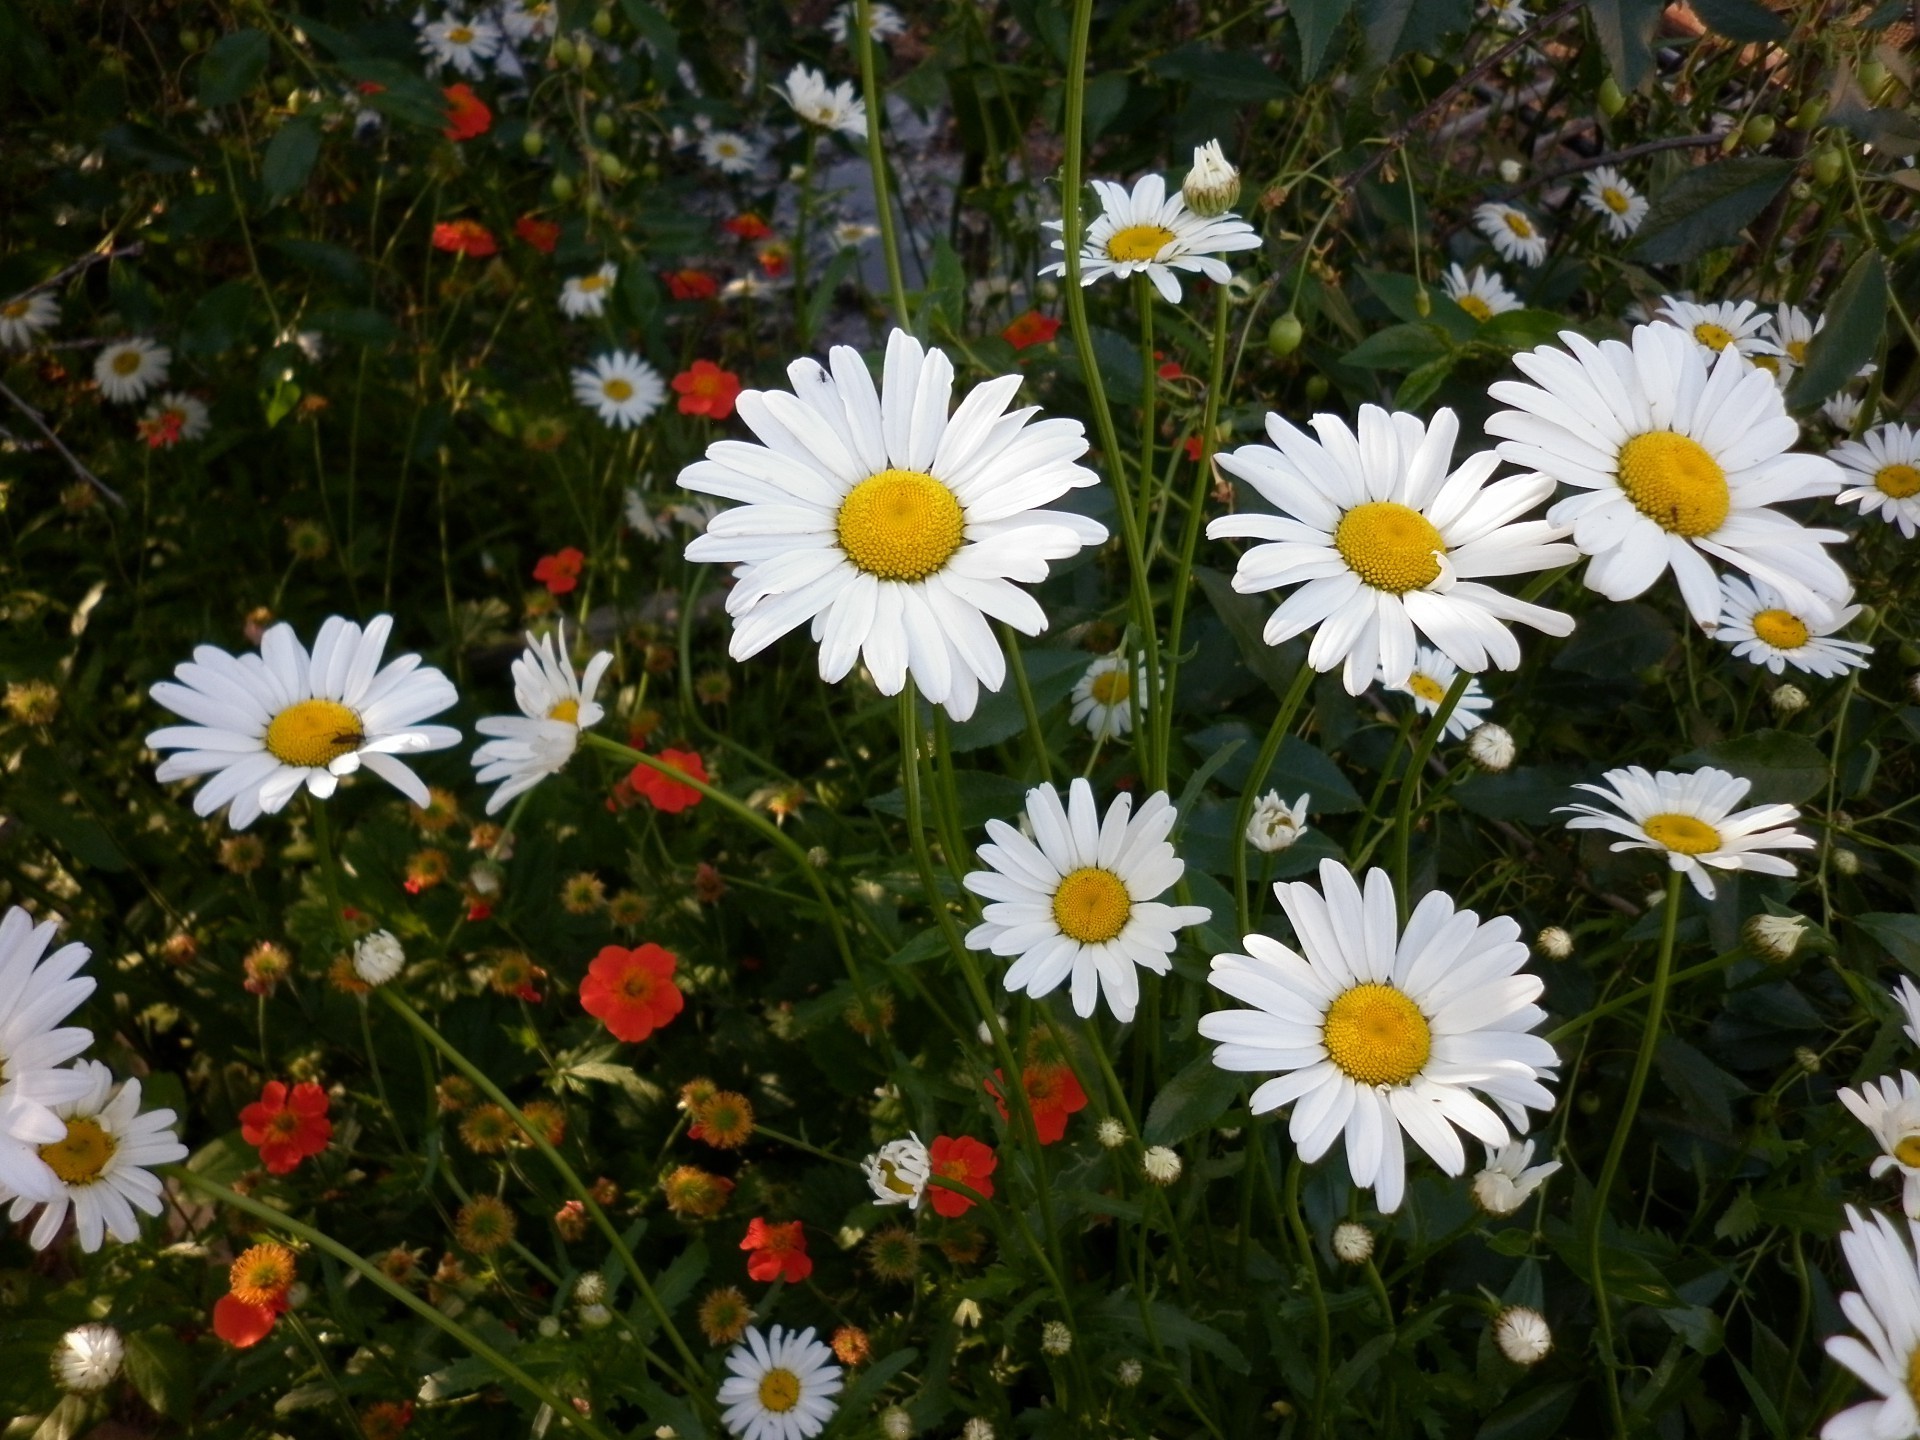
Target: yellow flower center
[(460, 35), (567, 710), (779, 1390), (890, 1177), (900, 525), (1427, 688), (1476, 307), (1614, 200), (79, 1159), (617, 389), (1907, 1152), (1898, 481), (126, 362), (1674, 482), (1390, 546), (1797, 351), (1091, 905), (14, 309), (1112, 687), (1913, 1375), (1683, 834), (314, 733), (1377, 1035), (1781, 629), (1518, 224), (1714, 337), (590, 283), (1138, 242), (1768, 363)]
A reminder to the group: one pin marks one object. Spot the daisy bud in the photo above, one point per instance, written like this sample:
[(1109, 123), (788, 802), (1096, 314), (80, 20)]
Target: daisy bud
[(1162, 1165), (590, 1288), (1510, 171), (895, 1423), (978, 1428), (87, 1358), (1523, 1335), (1111, 1133), (1807, 1059), (1055, 1338), (377, 958), (1352, 1243), (819, 857), (1774, 937), (595, 1317), (1491, 747), (1274, 824), (1128, 1373), (1554, 943), (1846, 862), (967, 1314), (548, 1327), (1212, 186), (897, 1172), (1788, 700), (1509, 1178)]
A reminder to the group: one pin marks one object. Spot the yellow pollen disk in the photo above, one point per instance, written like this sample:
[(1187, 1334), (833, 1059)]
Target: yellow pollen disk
[(1137, 243), (591, 283), (83, 1155), (459, 35), (1112, 687), (779, 1390), (1907, 1152), (1427, 688), (1476, 307), (1377, 1035), (1913, 1375), (1518, 224), (617, 389), (14, 309), (1675, 483), (1781, 629), (1897, 481), (1768, 363), (1714, 337), (890, 1177), (1682, 834), (126, 362), (567, 710), (1391, 546), (1797, 351), (900, 525), (1614, 200), (314, 733), (1091, 905)]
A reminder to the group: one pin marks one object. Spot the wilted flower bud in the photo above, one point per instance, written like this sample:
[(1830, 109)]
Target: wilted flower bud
[(1162, 1165), (967, 1314), (1055, 1338), (1846, 862), (1523, 1335), (1212, 186), (1111, 1133), (1274, 824), (88, 1358), (1491, 747), (590, 1288), (1510, 171), (1788, 700), (377, 958), (1352, 1243), (1128, 1373), (1774, 937), (1554, 943)]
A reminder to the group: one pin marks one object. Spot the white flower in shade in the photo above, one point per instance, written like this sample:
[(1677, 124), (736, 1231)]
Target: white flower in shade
[(187, 414), (37, 992), (729, 153), (1428, 682), (1160, 1165), (1104, 698), (895, 1423), (100, 1169), (779, 1386), (834, 107), (1148, 232), (1491, 747), (622, 387), (586, 295), (1523, 1335), (378, 957), (1274, 824), (1352, 1243), (266, 724), (1510, 15), (1692, 820), (1737, 325), (1773, 937), (555, 706), (1509, 1178), (127, 369), (1078, 899), (1212, 186), (1382, 542), (1762, 627), (1882, 471), (897, 1172), (1514, 234), (1481, 293), (1609, 195), (895, 528), (1678, 460), (25, 318), (1890, 1108), (88, 1358), (1907, 997), (1110, 1133), (461, 43), (1842, 411), (1886, 1311), (883, 23), (1791, 331), (526, 20), (1382, 1033), (978, 1427), (849, 233), (1055, 1338)]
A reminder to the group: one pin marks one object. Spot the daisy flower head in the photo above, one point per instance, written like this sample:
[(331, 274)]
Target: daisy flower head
[(1791, 330), (895, 529), (1738, 325), (1842, 411), (555, 706), (88, 1358), (1379, 1032), (1481, 293), (1382, 542), (37, 992), (1275, 825), (621, 387), (1886, 1312), (586, 295), (1428, 682), (1890, 1109), (264, 725), (25, 318), (897, 1172), (461, 43), (1149, 232), (1882, 475), (883, 23), (1514, 234), (185, 416), (1691, 819), (100, 1168), (1105, 696), (1763, 628), (1678, 455), (1509, 1178), (831, 107), (525, 20), (1616, 202), (1078, 899), (779, 1386), (127, 369), (729, 153)]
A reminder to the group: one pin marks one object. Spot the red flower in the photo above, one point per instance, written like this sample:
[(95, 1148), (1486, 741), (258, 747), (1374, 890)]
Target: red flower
[(465, 237), (665, 793), (1193, 448), (775, 259), (241, 1324), (1032, 328), (287, 1126), (162, 432), (707, 390), (1053, 1093), (467, 113), (542, 235), (748, 227), (1169, 371), (691, 285), (632, 991), (779, 1252), (961, 1158), (560, 573)]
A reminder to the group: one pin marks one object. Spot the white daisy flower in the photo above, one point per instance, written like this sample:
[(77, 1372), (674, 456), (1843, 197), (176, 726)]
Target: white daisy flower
[(1738, 325), (26, 317), (1523, 1335), (1842, 411), (729, 153), (461, 43), (1890, 1108), (1274, 824), (1382, 541), (621, 387), (526, 20), (1609, 195), (1886, 1311), (266, 724), (1481, 293), (1791, 330), (1380, 1032), (101, 1168), (1104, 697), (586, 295), (555, 706), (835, 107), (1078, 898), (127, 369), (1762, 627), (883, 23), (1510, 1178), (88, 1358), (1679, 457), (1514, 234), (1428, 682), (898, 1172), (189, 411), (1509, 15), (1149, 232), (1882, 470), (896, 529), (849, 233), (37, 992), (643, 522), (378, 957), (1907, 997), (1691, 818), (779, 1386)]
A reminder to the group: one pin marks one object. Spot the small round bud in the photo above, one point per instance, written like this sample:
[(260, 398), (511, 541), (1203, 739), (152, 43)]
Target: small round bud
[(1111, 1133), (603, 126), (1212, 186), (602, 23), (1490, 747), (1510, 171), (1317, 388), (562, 188), (548, 1327), (1128, 1372), (1554, 943), (1276, 109), (1802, 192), (1807, 1059), (1055, 1338), (1423, 65), (590, 1288), (1874, 78), (1808, 115), (1612, 98), (533, 142), (378, 957), (1787, 700), (1161, 1165), (88, 1358), (819, 857), (594, 1317), (610, 165), (1422, 302), (1523, 1335), (1913, 685), (563, 50), (1759, 130), (1846, 862), (1284, 335), (895, 1423), (583, 54), (978, 1428), (1588, 1103), (1352, 1243), (1827, 164)]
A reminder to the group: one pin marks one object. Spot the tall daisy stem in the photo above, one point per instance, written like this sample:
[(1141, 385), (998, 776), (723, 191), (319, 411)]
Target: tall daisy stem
[(1256, 777), (1310, 1262), (1410, 786), (1149, 378), (877, 161)]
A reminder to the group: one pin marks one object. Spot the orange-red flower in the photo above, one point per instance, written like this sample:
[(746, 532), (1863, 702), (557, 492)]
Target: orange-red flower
[(663, 792), (1053, 1093), (777, 1252), (775, 259), (560, 573), (287, 1126), (241, 1324), (542, 235), (707, 390), (1193, 448), (467, 114), (632, 992), (961, 1158), (465, 237), (748, 227), (162, 432), (1032, 328), (691, 285)]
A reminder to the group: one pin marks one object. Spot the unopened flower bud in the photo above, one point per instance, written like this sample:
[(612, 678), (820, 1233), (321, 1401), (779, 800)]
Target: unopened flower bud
[(590, 1288), (1055, 1338), (1807, 1059), (1111, 1133), (1523, 1335), (1846, 862), (1212, 186), (1491, 747), (1788, 700), (595, 1316), (967, 1314), (1128, 1372), (895, 1423), (1352, 1243), (377, 958), (1510, 171), (1774, 937), (548, 1327), (1554, 943), (1162, 1165)]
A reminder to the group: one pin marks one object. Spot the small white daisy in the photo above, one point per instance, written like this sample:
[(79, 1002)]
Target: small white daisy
[(1890, 1108), (779, 1386), (526, 20), (1762, 627), (835, 107), (1149, 232), (1514, 234), (1104, 697), (1274, 824), (1907, 997), (849, 233), (188, 412), (88, 1358), (898, 1171), (1078, 899), (26, 317), (1481, 293), (1738, 325), (1791, 330), (461, 43), (1428, 682), (1510, 1177), (1383, 1033), (266, 724), (1510, 15), (1523, 1335), (1883, 474), (1692, 820), (621, 387), (1842, 411), (1886, 1311), (127, 369), (586, 295), (883, 23), (729, 153), (37, 992), (555, 706), (1609, 195), (378, 957)]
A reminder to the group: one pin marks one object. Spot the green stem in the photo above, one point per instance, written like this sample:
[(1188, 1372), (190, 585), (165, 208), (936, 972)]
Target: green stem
[(1410, 786), (1310, 1262), (1149, 379), (877, 160), (1256, 777), (1035, 735), (1640, 992), (329, 865)]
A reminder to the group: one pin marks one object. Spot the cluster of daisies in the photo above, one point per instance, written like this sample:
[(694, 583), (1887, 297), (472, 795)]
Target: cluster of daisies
[(126, 371)]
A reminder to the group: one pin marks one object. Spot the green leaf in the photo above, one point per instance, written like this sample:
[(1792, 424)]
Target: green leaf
[(1784, 768), (1536, 1413), (1740, 19), (1523, 329), (161, 1370), (1245, 619), (982, 796), (1395, 27), (1741, 1219), (1190, 1102), (356, 324), (1615, 641), (1527, 793), (656, 29), (1708, 206), (1235, 77), (1898, 935), (218, 322), (639, 293), (1314, 22), (232, 67), (1705, 1091), (1422, 381), (824, 287), (1051, 675), (290, 156), (1625, 28), (403, 95), (865, 1391), (1856, 318), (1400, 347)]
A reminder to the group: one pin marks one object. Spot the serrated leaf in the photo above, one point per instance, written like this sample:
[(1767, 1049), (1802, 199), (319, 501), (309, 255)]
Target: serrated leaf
[(1856, 318), (232, 67), (1314, 24), (1190, 1102), (1741, 1219), (1625, 28), (1708, 206), (161, 1370), (290, 157), (1898, 935), (1785, 768), (1400, 347)]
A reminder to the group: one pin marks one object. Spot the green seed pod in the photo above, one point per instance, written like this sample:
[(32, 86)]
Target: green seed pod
[(282, 85), (1276, 109), (1759, 130), (1808, 115), (1827, 164), (603, 23), (1873, 79), (1423, 65), (603, 125), (563, 50), (610, 165), (583, 56), (1422, 302), (189, 41), (562, 188), (1316, 388), (1284, 335), (533, 142), (650, 172), (1612, 98)]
